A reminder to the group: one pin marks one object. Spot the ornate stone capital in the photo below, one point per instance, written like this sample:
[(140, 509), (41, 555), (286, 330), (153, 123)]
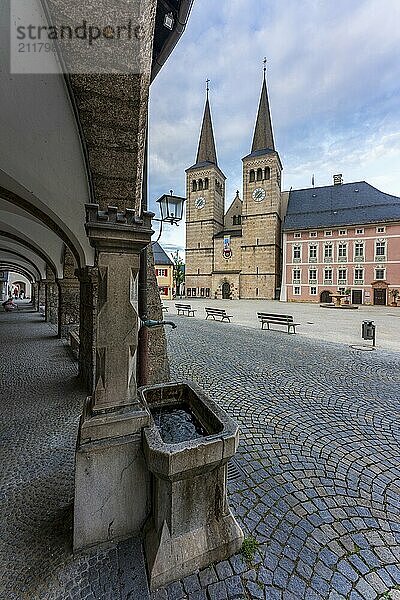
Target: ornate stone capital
[(113, 231)]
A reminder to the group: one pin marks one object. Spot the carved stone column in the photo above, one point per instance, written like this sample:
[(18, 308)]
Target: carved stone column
[(111, 478)]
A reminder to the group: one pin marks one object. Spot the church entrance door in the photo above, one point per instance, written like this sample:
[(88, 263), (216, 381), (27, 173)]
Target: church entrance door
[(226, 291)]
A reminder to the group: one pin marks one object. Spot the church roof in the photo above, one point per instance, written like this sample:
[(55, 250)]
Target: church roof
[(336, 205), (206, 152), (160, 256), (263, 137), (237, 197)]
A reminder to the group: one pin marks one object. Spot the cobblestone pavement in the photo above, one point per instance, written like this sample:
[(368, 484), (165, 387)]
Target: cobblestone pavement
[(316, 481), (40, 407)]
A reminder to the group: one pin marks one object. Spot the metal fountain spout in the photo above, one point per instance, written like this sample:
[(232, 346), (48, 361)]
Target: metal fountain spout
[(152, 323)]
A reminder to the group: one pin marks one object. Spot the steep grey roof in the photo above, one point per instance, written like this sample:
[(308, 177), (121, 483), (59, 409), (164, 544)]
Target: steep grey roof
[(206, 153), (160, 257), (263, 137), (335, 205)]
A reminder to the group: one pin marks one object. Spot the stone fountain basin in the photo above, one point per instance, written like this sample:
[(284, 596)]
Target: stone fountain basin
[(192, 457)]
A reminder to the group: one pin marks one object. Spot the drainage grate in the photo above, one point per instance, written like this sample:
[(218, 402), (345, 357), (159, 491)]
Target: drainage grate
[(235, 472)]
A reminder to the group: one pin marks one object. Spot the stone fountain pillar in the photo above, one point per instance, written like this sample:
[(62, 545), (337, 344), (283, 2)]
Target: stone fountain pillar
[(111, 477)]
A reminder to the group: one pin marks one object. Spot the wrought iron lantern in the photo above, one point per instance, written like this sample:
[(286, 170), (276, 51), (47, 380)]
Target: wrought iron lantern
[(171, 208)]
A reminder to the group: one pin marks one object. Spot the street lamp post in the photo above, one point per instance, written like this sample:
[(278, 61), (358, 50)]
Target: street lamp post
[(171, 211)]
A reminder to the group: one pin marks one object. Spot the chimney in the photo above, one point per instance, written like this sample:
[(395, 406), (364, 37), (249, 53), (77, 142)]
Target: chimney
[(338, 179)]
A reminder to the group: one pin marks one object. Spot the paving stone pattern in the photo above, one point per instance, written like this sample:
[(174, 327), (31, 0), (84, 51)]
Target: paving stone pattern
[(315, 481)]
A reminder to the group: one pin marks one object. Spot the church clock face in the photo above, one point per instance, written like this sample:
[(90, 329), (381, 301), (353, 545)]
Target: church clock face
[(259, 194), (200, 202)]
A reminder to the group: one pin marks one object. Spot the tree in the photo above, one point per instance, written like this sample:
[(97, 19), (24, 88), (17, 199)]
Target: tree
[(179, 272)]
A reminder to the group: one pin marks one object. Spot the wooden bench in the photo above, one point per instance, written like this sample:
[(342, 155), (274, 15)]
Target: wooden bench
[(185, 309), (287, 320), (218, 312)]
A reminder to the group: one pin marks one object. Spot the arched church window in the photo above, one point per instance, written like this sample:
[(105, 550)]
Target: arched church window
[(194, 185), (206, 183), (267, 173), (239, 219), (259, 174), (200, 184), (252, 176)]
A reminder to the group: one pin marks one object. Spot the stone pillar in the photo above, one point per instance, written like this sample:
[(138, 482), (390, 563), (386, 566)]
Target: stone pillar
[(52, 301), (41, 295), (110, 469), (68, 308), (88, 279), (34, 294), (3, 290)]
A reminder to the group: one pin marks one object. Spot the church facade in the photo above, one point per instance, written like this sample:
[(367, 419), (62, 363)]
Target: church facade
[(237, 253), (301, 245)]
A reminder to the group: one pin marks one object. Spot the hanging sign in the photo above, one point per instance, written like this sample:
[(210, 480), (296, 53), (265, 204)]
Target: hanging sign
[(227, 252)]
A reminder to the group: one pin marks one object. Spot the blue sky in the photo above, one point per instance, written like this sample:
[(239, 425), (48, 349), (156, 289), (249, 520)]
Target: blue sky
[(334, 87)]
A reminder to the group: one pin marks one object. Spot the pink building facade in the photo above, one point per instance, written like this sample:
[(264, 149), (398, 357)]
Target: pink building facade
[(360, 260)]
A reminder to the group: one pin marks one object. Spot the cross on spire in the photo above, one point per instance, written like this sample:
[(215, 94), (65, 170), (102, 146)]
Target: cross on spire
[(207, 87), (265, 65)]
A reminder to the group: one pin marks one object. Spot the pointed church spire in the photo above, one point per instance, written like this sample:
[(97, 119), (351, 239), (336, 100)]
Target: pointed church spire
[(206, 151), (263, 136)]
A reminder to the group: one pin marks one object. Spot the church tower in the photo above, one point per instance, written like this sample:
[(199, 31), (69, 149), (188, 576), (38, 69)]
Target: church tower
[(261, 214), (205, 193)]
